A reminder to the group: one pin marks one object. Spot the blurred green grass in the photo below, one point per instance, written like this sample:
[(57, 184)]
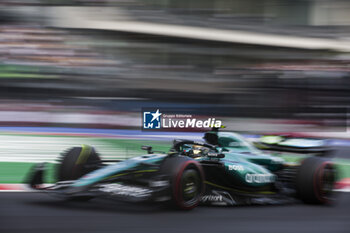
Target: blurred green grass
[(16, 172)]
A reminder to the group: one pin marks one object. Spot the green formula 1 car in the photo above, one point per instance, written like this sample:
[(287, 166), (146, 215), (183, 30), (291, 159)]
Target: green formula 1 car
[(226, 169)]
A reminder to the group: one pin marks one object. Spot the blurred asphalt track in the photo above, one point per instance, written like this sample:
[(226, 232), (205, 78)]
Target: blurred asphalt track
[(36, 212)]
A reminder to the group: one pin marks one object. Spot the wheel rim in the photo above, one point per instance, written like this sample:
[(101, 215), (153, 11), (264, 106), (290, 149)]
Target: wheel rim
[(190, 185), (327, 181)]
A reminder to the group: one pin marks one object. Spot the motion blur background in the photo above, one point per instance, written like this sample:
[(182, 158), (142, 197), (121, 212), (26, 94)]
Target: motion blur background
[(84, 69), (261, 65), (79, 72)]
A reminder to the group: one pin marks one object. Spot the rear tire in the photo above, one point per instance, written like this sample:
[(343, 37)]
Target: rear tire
[(315, 181), (186, 181)]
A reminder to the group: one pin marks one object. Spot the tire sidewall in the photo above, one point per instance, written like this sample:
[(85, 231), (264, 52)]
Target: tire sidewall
[(309, 181), (174, 168)]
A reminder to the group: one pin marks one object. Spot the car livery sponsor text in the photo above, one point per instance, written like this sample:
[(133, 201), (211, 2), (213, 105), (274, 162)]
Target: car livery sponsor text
[(212, 198), (124, 190), (260, 178)]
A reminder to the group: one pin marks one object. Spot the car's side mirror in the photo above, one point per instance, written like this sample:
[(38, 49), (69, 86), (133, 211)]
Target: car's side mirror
[(220, 156), (147, 148)]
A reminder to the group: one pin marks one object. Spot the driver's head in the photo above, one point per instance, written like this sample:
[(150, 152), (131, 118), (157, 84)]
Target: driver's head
[(211, 138)]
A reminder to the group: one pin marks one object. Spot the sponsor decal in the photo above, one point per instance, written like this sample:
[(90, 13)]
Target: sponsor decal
[(218, 198), (124, 190), (212, 198), (156, 119), (213, 154), (235, 167), (260, 178)]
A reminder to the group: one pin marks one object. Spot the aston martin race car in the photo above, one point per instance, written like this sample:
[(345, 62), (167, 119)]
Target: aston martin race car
[(224, 169)]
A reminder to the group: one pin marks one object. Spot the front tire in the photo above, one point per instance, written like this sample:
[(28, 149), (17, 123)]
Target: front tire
[(76, 162), (186, 181)]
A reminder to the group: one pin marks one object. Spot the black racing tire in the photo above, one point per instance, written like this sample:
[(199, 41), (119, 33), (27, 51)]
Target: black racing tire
[(186, 179), (315, 181), (76, 162)]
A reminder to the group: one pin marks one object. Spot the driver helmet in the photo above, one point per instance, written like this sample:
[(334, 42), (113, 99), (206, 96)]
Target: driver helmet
[(211, 137)]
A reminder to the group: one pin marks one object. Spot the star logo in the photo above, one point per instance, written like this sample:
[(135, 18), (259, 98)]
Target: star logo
[(152, 119), (156, 115)]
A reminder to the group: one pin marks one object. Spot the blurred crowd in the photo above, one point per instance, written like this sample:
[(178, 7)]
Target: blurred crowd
[(105, 70)]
